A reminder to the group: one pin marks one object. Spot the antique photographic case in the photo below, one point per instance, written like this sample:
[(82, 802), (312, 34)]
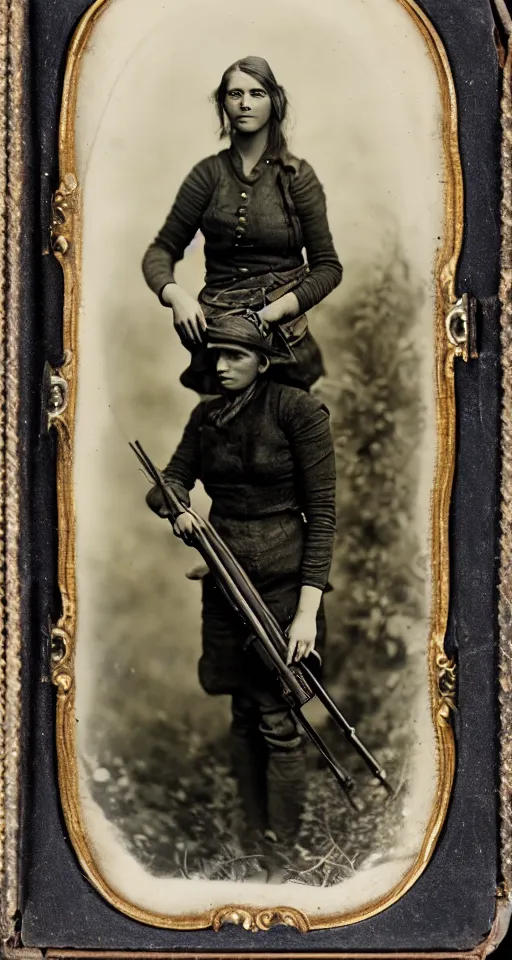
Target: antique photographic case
[(173, 784)]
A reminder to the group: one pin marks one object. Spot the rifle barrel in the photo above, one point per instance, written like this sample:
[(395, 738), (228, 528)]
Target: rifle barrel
[(342, 775), (378, 772)]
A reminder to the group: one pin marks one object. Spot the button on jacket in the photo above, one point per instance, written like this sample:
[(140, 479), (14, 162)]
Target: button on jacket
[(252, 224)]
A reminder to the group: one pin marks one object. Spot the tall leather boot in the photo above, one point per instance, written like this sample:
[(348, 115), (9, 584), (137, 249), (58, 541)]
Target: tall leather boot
[(249, 763), (286, 793)]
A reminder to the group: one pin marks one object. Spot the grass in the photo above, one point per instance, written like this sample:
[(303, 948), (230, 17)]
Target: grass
[(178, 810)]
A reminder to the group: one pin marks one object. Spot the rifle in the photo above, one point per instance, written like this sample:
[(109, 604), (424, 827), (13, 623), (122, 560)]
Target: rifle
[(298, 682)]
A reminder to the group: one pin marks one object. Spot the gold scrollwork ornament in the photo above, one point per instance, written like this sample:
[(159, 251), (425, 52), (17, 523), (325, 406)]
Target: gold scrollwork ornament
[(63, 210), (447, 681), (61, 659), (255, 920)]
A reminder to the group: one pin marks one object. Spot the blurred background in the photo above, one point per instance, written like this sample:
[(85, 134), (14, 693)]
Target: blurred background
[(366, 113)]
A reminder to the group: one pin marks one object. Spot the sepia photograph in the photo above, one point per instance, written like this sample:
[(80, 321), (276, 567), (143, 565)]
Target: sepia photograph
[(253, 499)]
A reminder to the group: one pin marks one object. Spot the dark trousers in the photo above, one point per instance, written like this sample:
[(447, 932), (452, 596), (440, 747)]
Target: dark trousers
[(268, 762)]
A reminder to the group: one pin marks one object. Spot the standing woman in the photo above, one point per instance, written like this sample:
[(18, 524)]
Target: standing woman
[(258, 208), (264, 452)]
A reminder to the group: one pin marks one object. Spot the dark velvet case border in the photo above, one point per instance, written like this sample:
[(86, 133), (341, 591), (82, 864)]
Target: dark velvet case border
[(452, 906)]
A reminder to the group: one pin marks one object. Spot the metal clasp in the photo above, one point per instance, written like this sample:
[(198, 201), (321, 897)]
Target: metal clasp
[(57, 396), (461, 327), (457, 326), (58, 645), (54, 394)]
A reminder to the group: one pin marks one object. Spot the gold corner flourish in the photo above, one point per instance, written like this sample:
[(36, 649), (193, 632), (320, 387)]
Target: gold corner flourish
[(66, 238)]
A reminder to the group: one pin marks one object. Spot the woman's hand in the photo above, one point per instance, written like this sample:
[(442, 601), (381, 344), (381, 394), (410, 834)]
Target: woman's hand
[(301, 636), (184, 525), (189, 320), (155, 501), (302, 630), (287, 306)]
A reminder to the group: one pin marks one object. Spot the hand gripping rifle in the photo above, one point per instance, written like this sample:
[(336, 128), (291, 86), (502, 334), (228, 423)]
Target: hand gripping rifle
[(298, 682)]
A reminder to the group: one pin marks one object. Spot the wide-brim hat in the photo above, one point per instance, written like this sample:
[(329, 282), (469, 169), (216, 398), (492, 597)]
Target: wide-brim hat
[(236, 330)]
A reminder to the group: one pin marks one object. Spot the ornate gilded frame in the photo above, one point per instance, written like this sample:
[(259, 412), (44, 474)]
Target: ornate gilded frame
[(451, 342)]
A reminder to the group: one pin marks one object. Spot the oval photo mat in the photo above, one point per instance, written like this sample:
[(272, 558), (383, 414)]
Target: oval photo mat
[(144, 778)]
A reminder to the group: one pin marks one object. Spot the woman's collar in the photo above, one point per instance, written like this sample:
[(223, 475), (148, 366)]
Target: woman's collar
[(285, 159)]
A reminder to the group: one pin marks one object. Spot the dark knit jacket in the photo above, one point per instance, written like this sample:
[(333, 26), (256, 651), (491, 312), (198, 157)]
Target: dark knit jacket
[(252, 224), (274, 457)]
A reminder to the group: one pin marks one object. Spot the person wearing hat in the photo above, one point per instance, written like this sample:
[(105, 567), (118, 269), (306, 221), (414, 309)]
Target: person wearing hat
[(264, 453), (258, 207)]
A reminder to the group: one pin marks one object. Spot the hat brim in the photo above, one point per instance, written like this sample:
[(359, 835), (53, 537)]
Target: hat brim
[(219, 341), (227, 345)]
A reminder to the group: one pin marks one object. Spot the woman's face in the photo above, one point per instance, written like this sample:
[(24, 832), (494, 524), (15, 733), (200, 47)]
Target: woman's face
[(247, 103), (237, 367)]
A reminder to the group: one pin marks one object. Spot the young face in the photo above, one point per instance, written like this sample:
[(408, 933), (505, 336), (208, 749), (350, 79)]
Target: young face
[(237, 367), (247, 103)]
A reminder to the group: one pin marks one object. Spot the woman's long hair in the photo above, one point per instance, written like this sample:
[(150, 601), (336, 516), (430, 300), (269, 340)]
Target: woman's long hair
[(258, 68)]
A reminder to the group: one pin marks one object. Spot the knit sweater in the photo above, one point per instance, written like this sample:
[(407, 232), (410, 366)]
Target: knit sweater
[(274, 457), (252, 224)]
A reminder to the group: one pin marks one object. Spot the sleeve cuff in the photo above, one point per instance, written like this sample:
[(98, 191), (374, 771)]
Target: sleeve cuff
[(159, 294), (308, 581), (178, 489)]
